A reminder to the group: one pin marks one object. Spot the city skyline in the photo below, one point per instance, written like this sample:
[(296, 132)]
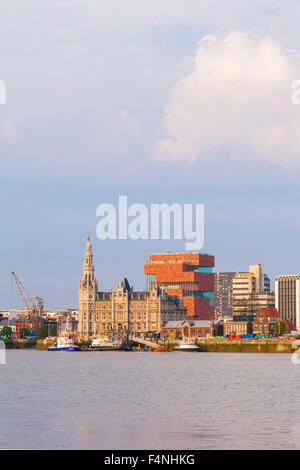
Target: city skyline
[(144, 285), (94, 117)]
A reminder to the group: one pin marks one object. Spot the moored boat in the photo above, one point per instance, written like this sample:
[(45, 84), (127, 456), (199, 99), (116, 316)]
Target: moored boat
[(186, 345), (63, 343), (104, 343)]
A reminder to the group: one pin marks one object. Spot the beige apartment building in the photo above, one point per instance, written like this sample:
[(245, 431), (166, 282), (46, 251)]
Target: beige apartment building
[(258, 271), (249, 292), (123, 310)]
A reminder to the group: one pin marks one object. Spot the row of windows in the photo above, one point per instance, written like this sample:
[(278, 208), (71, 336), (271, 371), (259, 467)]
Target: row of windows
[(136, 326), (134, 305)]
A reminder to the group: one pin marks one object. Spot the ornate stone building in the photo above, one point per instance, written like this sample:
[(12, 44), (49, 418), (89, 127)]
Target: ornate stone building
[(124, 310), (88, 289)]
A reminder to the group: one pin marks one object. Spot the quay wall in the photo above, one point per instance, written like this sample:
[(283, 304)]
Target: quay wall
[(21, 343), (43, 344), (245, 346)]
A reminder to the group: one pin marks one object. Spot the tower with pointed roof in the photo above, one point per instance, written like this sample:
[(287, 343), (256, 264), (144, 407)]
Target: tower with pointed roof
[(88, 289)]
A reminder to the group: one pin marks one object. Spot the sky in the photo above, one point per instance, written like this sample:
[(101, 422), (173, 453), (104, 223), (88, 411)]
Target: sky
[(168, 101)]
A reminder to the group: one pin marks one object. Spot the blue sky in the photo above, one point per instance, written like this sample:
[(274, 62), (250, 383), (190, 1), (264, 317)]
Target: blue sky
[(94, 91)]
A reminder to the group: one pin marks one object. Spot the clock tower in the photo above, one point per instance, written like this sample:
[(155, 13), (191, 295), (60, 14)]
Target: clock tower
[(88, 290)]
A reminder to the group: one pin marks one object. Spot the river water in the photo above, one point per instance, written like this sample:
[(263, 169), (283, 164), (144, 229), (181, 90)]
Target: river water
[(119, 400)]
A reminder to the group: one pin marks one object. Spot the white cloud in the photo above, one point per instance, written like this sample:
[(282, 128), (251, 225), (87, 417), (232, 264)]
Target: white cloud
[(238, 97)]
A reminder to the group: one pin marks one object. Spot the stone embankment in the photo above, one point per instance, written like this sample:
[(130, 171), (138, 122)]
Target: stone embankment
[(247, 346)]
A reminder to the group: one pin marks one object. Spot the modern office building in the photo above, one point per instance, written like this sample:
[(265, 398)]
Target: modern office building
[(287, 298), (243, 286), (258, 271), (187, 275), (222, 297), (250, 293), (260, 300), (124, 310), (267, 283)]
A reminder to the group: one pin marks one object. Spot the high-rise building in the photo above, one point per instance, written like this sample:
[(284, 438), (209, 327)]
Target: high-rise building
[(267, 283), (124, 310), (258, 271), (260, 300), (222, 298), (187, 275), (251, 292), (287, 295), (243, 287)]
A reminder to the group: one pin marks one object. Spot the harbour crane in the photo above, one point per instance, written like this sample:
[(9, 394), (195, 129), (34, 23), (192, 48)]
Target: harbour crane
[(34, 305)]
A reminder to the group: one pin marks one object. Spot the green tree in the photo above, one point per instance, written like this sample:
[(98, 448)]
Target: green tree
[(6, 331), (42, 332), (52, 330), (279, 327), (24, 331)]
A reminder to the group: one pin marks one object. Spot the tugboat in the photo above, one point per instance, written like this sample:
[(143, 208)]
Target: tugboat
[(64, 343), (186, 345)]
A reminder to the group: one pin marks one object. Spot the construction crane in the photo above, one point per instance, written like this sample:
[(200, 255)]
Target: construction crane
[(34, 305)]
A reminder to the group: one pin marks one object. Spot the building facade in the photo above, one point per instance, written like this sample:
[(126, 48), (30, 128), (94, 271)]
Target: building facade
[(251, 292), (187, 275), (237, 327), (222, 297), (31, 323), (265, 320), (258, 272), (267, 283), (243, 286), (287, 295), (193, 329), (124, 310)]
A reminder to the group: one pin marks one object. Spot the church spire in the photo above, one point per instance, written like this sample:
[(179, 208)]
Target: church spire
[(88, 289), (88, 280), (88, 249)]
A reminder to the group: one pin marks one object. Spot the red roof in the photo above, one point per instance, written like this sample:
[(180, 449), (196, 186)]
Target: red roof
[(290, 325), (270, 312)]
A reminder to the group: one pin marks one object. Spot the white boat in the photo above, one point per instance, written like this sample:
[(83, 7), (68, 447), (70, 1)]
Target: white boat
[(64, 343), (103, 343), (187, 345)]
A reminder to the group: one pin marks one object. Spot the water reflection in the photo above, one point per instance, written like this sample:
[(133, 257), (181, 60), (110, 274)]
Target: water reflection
[(149, 401)]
